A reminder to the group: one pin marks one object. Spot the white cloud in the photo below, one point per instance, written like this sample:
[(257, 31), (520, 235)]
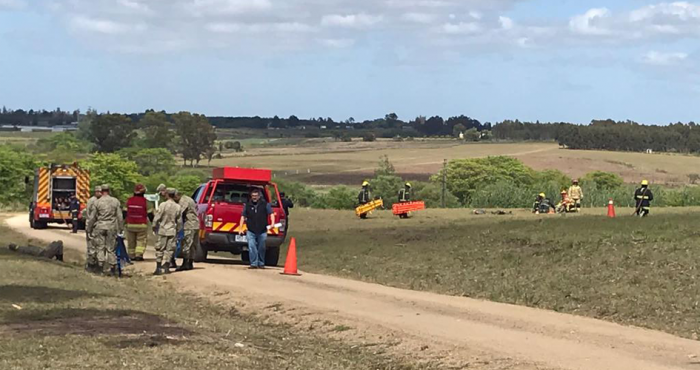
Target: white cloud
[(424, 18), (461, 28), (227, 7), (338, 43), (13, 4), (105, 26), (360, 20), (664, 59), (506, 23), (588, 23), (680, 10)]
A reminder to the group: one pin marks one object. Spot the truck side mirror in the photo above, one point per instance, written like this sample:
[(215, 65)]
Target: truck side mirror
[(26, 180)]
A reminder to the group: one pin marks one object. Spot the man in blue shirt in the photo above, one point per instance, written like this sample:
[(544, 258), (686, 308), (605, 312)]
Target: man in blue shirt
[(255, 216)]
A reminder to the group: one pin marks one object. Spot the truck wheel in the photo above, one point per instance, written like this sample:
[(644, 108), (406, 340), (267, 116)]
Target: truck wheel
[(31, 221), (272, 256), (245, 257), (200, 252), (40, 225)]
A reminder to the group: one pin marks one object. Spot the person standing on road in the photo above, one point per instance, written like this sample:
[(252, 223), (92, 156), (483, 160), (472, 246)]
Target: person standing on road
[(286, 205), (74, 212), (105, 223), (576, 194), (137, 223), (163, 192), (191, 230), (255, 216), (643, 197), (91, 260), (166, 225)]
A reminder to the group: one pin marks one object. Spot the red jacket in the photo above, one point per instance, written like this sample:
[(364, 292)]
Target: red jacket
[(137, 210)]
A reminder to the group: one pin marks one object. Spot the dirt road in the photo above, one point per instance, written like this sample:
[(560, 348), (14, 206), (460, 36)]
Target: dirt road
[(500, 336)]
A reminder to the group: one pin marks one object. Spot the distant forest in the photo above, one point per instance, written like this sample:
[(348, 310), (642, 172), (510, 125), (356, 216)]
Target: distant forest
[(598, 135)]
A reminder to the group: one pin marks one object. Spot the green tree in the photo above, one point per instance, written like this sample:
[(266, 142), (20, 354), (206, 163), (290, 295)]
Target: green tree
[(385, 167), (64, 141), (150, 161), (465, 176), (158, 132), (431, 194), (196, 136), (15, 166), (387, 187), (604, 180), (186, 184), (109, 168), (111, 132), (458, 129), (338, 197)]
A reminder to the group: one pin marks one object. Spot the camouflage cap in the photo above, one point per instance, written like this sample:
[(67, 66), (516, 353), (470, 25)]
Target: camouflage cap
[(160, 188), (98, 189), (105, 187), (171, 191)]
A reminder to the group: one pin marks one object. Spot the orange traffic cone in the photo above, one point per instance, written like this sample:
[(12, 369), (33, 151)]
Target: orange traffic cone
[(290, 267), (611, 209)]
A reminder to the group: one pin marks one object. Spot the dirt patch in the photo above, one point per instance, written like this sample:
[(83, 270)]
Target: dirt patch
[(89, 323)]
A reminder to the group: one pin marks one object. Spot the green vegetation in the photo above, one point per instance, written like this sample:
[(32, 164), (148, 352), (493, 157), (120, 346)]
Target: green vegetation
[(68, 319), (15, 168), (628, 270)]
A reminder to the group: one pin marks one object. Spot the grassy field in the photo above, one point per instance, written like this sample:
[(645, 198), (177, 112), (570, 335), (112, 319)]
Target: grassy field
[(641, 272), (325, 162), (55, 316), (22, 138)]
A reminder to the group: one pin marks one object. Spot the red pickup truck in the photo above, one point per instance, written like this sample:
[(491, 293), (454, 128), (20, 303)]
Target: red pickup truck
[(220, 203)]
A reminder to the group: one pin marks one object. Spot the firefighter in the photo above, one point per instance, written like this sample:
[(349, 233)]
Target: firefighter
[(405, 193), (91, 260), (643, 197), (105, 223), (566, 204), (137, 223), (74, 212), (365, 195), (166, 224), (542, 205), (191, 230), (576, 194)]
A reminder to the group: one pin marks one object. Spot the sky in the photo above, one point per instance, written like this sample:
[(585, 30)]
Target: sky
[(554, 60)]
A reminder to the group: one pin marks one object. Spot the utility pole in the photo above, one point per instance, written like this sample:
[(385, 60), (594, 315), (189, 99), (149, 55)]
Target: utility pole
[(444, 182)]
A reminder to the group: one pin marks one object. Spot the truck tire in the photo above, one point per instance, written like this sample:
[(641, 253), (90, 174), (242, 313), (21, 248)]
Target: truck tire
[(40, 225), (272, 256), (31, 220), (200, 252)]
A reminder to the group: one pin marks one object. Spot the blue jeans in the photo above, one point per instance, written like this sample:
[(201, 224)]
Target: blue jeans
[(256, 248)]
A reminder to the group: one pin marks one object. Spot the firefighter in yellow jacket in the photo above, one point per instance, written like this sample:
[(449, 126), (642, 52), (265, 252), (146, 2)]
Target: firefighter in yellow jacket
[(576, 194)]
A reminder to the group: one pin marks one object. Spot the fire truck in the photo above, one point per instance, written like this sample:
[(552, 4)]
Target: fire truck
[(220, 203), (53, 187)]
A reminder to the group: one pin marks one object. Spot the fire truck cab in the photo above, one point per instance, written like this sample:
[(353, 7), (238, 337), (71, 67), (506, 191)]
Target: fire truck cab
[(53, 187), (220, 203)]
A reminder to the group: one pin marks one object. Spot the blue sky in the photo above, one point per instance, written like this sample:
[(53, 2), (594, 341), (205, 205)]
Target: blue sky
[(541, 60)]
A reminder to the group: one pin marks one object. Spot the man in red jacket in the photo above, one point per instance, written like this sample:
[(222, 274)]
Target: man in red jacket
[(137, 223)]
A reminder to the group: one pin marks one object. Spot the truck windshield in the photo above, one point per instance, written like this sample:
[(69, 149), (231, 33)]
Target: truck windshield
[(235, 193)]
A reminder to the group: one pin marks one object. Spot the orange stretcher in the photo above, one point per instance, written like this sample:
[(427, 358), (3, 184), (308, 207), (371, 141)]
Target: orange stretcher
[(404, 208)]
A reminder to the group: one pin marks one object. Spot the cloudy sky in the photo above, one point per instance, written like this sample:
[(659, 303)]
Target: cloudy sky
[(572, 60)]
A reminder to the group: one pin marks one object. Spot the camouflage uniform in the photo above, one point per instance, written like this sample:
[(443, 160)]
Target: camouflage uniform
[(191, 226), (168, 222), (105, 223), (91, 251)]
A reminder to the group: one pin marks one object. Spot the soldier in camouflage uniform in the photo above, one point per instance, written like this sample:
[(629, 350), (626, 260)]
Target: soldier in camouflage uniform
[(91, 265), (105, 223), (166, 224), (191, 230)]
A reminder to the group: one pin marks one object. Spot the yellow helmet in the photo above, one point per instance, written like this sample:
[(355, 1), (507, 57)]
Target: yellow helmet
[(645, 182), (366, 183), (543, 195), (408, 185)]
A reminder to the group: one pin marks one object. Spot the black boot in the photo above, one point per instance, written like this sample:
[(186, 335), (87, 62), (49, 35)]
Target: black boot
[(173, 262), (166, 268), (59, 257), (158, 271), (190, 265), (113, 272), (183, 267)]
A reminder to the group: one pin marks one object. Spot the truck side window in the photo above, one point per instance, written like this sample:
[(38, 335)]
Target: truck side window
[(198, 193)]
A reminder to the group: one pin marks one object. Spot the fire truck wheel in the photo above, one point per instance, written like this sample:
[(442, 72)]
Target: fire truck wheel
[(39, 225), (200, 252), (272, 256)]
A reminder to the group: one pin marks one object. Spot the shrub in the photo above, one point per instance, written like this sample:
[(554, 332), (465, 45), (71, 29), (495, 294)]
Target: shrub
[(338, 197), (603, 180), (369, 137), (300, 194), (15, 166)]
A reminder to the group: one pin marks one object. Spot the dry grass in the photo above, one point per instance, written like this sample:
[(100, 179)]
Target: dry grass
[(633, 271), (325, 162)]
